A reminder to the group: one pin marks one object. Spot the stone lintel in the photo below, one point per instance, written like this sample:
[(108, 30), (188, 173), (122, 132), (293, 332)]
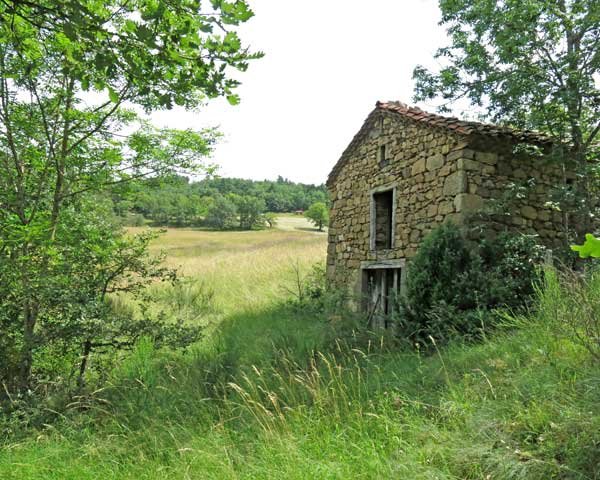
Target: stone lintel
[(395, 263)]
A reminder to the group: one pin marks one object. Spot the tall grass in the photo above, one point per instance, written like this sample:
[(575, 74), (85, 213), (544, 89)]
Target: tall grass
[(275, 394), (245, 270), (523, 405), (570, 302)]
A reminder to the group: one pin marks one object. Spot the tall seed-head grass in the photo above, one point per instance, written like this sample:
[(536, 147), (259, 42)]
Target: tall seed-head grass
[(274, 393), (333, 385), (187, 299), (570, 304), (244, 269)]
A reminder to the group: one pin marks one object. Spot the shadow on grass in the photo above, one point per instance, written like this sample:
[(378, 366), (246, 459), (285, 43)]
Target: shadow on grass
[(152, 384), (308, 229), (277, 374)]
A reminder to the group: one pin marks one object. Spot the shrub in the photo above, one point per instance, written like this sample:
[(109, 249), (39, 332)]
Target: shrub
[(570, 304), (311, 293), (513, 262), (309, 289), (453, 283)]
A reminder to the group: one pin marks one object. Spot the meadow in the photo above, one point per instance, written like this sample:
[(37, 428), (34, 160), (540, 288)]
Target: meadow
[(244, 269), (279, 390)]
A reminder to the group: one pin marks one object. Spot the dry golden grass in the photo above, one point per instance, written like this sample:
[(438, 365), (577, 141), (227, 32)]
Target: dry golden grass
[(292, 221), (245, 269)]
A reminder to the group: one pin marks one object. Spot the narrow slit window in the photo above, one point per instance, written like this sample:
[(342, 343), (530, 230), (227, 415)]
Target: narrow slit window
[(383, 161), (383, 221)]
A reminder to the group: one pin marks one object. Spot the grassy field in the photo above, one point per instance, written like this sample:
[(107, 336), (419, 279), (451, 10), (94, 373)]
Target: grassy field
[(277, 392), (245, 269)]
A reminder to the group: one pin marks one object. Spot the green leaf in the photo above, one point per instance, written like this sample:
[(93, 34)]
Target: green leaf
[(144, 33), (113, 95), (590, 248), (69, 31), (129, 26), (233, 99)]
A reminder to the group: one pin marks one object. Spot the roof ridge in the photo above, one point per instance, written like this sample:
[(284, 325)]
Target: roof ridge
[(456, 124), (451, 124)]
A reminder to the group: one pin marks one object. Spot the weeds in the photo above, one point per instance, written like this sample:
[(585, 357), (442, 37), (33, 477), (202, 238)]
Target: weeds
[(570, 302), (283, 392)]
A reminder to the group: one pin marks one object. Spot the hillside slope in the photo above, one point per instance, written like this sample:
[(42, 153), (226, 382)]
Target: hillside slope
[(523, 405), (282, 392)]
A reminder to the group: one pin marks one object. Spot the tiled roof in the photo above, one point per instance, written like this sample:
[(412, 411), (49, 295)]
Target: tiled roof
[(463, 127), (453, 124)]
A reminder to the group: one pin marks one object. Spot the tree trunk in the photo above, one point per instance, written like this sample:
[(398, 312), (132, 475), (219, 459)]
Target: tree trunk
[(26, 361), (574, 111), (87, 349)]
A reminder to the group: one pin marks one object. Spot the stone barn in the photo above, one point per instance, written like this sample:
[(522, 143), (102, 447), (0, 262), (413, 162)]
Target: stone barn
[(407, 171)]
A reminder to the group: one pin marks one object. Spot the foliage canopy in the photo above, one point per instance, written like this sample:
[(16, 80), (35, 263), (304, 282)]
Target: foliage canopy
[(318, 214), (68, 69), (532, 64)]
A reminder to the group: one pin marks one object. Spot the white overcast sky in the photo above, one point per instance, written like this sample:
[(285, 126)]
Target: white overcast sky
[(326, 64)]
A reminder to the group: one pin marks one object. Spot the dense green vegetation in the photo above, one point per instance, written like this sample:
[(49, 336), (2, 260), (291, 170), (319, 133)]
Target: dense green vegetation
[(316, 398), (230, 357), (219, 203), (454, 284), (533, 65), (71, 73)]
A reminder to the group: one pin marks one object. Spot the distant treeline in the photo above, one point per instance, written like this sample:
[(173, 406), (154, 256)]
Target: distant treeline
[(216, 202)]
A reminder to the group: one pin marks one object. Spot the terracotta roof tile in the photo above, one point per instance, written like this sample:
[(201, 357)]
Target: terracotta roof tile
[(462, 127)]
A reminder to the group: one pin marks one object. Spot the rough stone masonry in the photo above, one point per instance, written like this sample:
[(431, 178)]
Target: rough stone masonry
[(434, 169)]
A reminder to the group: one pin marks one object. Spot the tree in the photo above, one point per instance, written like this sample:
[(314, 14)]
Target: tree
[(250, 210), (318, 214), (532, 65), (56, 150), (270, 219), (222, 214)]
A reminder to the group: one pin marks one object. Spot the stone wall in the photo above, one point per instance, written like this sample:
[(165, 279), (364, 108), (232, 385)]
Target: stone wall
[(511, 191), (437, 175)]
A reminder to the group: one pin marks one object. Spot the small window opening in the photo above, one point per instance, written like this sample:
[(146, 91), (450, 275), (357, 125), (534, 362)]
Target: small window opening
[(383, 160), (381, 289), (384, 202)]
